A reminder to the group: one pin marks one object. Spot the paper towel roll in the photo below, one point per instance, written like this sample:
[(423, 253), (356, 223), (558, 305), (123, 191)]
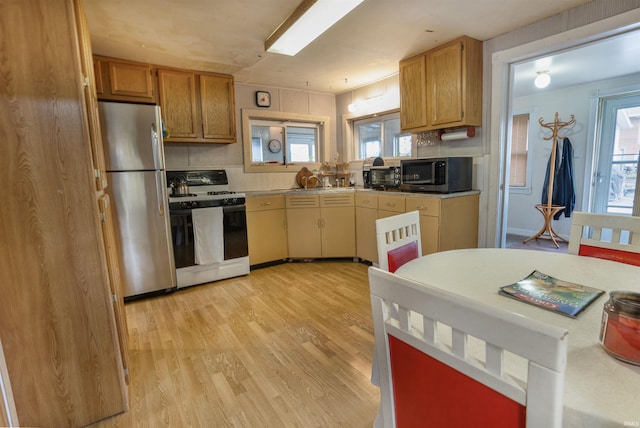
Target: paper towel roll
[(458, 135)]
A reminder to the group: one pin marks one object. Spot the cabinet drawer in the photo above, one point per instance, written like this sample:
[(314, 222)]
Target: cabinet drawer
[(426, 206), (366, 200), (338, 200), (302, 201), (391, 203), (261, 203)]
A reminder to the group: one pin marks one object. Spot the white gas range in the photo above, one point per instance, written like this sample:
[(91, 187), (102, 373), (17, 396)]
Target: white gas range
[(208, 227)]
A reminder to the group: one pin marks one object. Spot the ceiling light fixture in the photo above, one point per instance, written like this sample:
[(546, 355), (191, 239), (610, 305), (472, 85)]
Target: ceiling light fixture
[(543, 79), (306, 23)]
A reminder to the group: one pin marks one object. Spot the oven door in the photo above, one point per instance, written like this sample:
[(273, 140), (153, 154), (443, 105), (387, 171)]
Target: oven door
[(234, 235), (235, 232), (182, 236)]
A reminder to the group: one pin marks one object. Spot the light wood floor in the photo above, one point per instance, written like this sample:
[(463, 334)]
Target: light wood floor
[(285, 346)]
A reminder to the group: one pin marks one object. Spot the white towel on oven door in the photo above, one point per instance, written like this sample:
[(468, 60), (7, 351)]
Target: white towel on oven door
[(208, 235)]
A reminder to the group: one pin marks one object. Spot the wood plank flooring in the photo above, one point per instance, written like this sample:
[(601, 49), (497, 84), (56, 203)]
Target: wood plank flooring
[(286, 346)]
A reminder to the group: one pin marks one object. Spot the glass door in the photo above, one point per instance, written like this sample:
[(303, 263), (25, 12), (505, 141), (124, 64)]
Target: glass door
[(616, 174)]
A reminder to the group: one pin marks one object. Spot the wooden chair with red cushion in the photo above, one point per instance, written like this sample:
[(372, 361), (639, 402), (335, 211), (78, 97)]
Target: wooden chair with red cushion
[(606, 236), (447, 361), (398, 239)]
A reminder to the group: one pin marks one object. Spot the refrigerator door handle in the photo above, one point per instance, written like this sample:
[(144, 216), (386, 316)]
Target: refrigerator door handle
[(160, 192), (156, 147)]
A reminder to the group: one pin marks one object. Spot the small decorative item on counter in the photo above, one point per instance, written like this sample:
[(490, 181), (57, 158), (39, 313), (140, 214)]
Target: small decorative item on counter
[(620, 328), (306, 179)]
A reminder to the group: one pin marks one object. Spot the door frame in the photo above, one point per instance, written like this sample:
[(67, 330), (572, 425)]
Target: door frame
[(594, 138), (501, 81)]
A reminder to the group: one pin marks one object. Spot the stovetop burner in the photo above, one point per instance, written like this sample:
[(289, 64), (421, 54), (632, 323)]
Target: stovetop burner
[(221, 192), (186, 195)]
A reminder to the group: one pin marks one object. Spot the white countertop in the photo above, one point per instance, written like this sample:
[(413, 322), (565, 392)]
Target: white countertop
[(328, 191)]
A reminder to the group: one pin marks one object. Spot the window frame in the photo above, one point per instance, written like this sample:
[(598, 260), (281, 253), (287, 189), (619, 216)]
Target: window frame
[(531, 135), (249, 116)]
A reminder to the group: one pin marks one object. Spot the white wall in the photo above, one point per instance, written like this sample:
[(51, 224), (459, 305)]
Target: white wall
[(523, 218)]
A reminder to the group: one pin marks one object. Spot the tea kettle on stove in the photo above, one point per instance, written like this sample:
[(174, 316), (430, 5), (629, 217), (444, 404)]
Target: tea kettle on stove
[(179, 188)]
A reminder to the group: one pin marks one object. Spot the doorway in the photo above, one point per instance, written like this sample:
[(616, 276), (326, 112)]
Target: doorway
[(613, 189), (505, 89)]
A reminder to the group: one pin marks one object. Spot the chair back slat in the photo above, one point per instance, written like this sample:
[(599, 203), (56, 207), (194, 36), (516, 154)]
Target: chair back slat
[(398, 240), (606, 236)]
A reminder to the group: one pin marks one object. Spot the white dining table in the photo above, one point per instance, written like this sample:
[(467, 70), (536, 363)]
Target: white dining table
[(600, 391)]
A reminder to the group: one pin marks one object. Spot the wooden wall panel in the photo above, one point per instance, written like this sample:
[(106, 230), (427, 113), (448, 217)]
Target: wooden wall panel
[(56, 323)]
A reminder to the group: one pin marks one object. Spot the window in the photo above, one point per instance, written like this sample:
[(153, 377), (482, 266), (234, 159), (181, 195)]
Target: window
[(380, 136), (519, 151), (273, 141)]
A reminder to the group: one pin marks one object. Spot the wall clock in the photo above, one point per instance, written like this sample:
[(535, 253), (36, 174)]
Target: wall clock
[(263, 99), (274, 146)]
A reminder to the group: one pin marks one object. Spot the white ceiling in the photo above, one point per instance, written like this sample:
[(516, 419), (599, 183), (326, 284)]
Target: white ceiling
[(228, 36), (607, 58)]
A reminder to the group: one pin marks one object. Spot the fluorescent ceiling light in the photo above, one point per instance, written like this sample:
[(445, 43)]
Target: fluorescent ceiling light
[(542, 80), (306, 23)]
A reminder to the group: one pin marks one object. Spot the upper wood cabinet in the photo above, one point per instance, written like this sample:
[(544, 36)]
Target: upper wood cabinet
[(442, 88), (178, 104), (121, 80), (197, 107)]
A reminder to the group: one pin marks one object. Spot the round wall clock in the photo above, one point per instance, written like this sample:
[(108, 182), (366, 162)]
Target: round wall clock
[(263, 99), (274, 146)]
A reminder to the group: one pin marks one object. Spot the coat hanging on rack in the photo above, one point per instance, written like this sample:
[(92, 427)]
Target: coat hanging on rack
[(563, 188)]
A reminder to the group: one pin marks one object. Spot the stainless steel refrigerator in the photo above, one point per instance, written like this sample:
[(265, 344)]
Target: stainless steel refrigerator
[(134, 156)]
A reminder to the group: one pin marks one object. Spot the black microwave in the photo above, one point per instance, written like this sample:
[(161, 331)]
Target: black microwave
[(381, 177), (442, 175)]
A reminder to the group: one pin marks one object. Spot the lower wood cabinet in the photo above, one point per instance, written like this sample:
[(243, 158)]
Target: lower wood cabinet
[(338, 225), (366, 215), (343, 224), (321, 225), (266, 229), (446, 223), (389, 205)]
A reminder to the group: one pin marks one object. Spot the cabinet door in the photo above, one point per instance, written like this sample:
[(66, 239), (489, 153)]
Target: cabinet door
[(444, 85), (413, 108), (366, 244), (131, 80), (338, 232), (90, 97), (303, 231), (115, 280), (178, 103), (218, 108), (266, 229), (459, 223)]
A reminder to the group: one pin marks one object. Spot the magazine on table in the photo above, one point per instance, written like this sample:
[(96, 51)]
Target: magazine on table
[(553, 294)]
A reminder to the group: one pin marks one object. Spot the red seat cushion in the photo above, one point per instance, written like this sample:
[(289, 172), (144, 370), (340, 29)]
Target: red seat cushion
[(399, 256), (428, 393), (628, 257)]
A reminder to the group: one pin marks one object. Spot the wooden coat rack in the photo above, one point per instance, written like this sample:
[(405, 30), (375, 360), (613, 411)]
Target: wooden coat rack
[(548, 210)]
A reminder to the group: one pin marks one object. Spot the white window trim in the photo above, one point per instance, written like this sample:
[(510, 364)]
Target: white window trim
[(323, 123), (349, 139)]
